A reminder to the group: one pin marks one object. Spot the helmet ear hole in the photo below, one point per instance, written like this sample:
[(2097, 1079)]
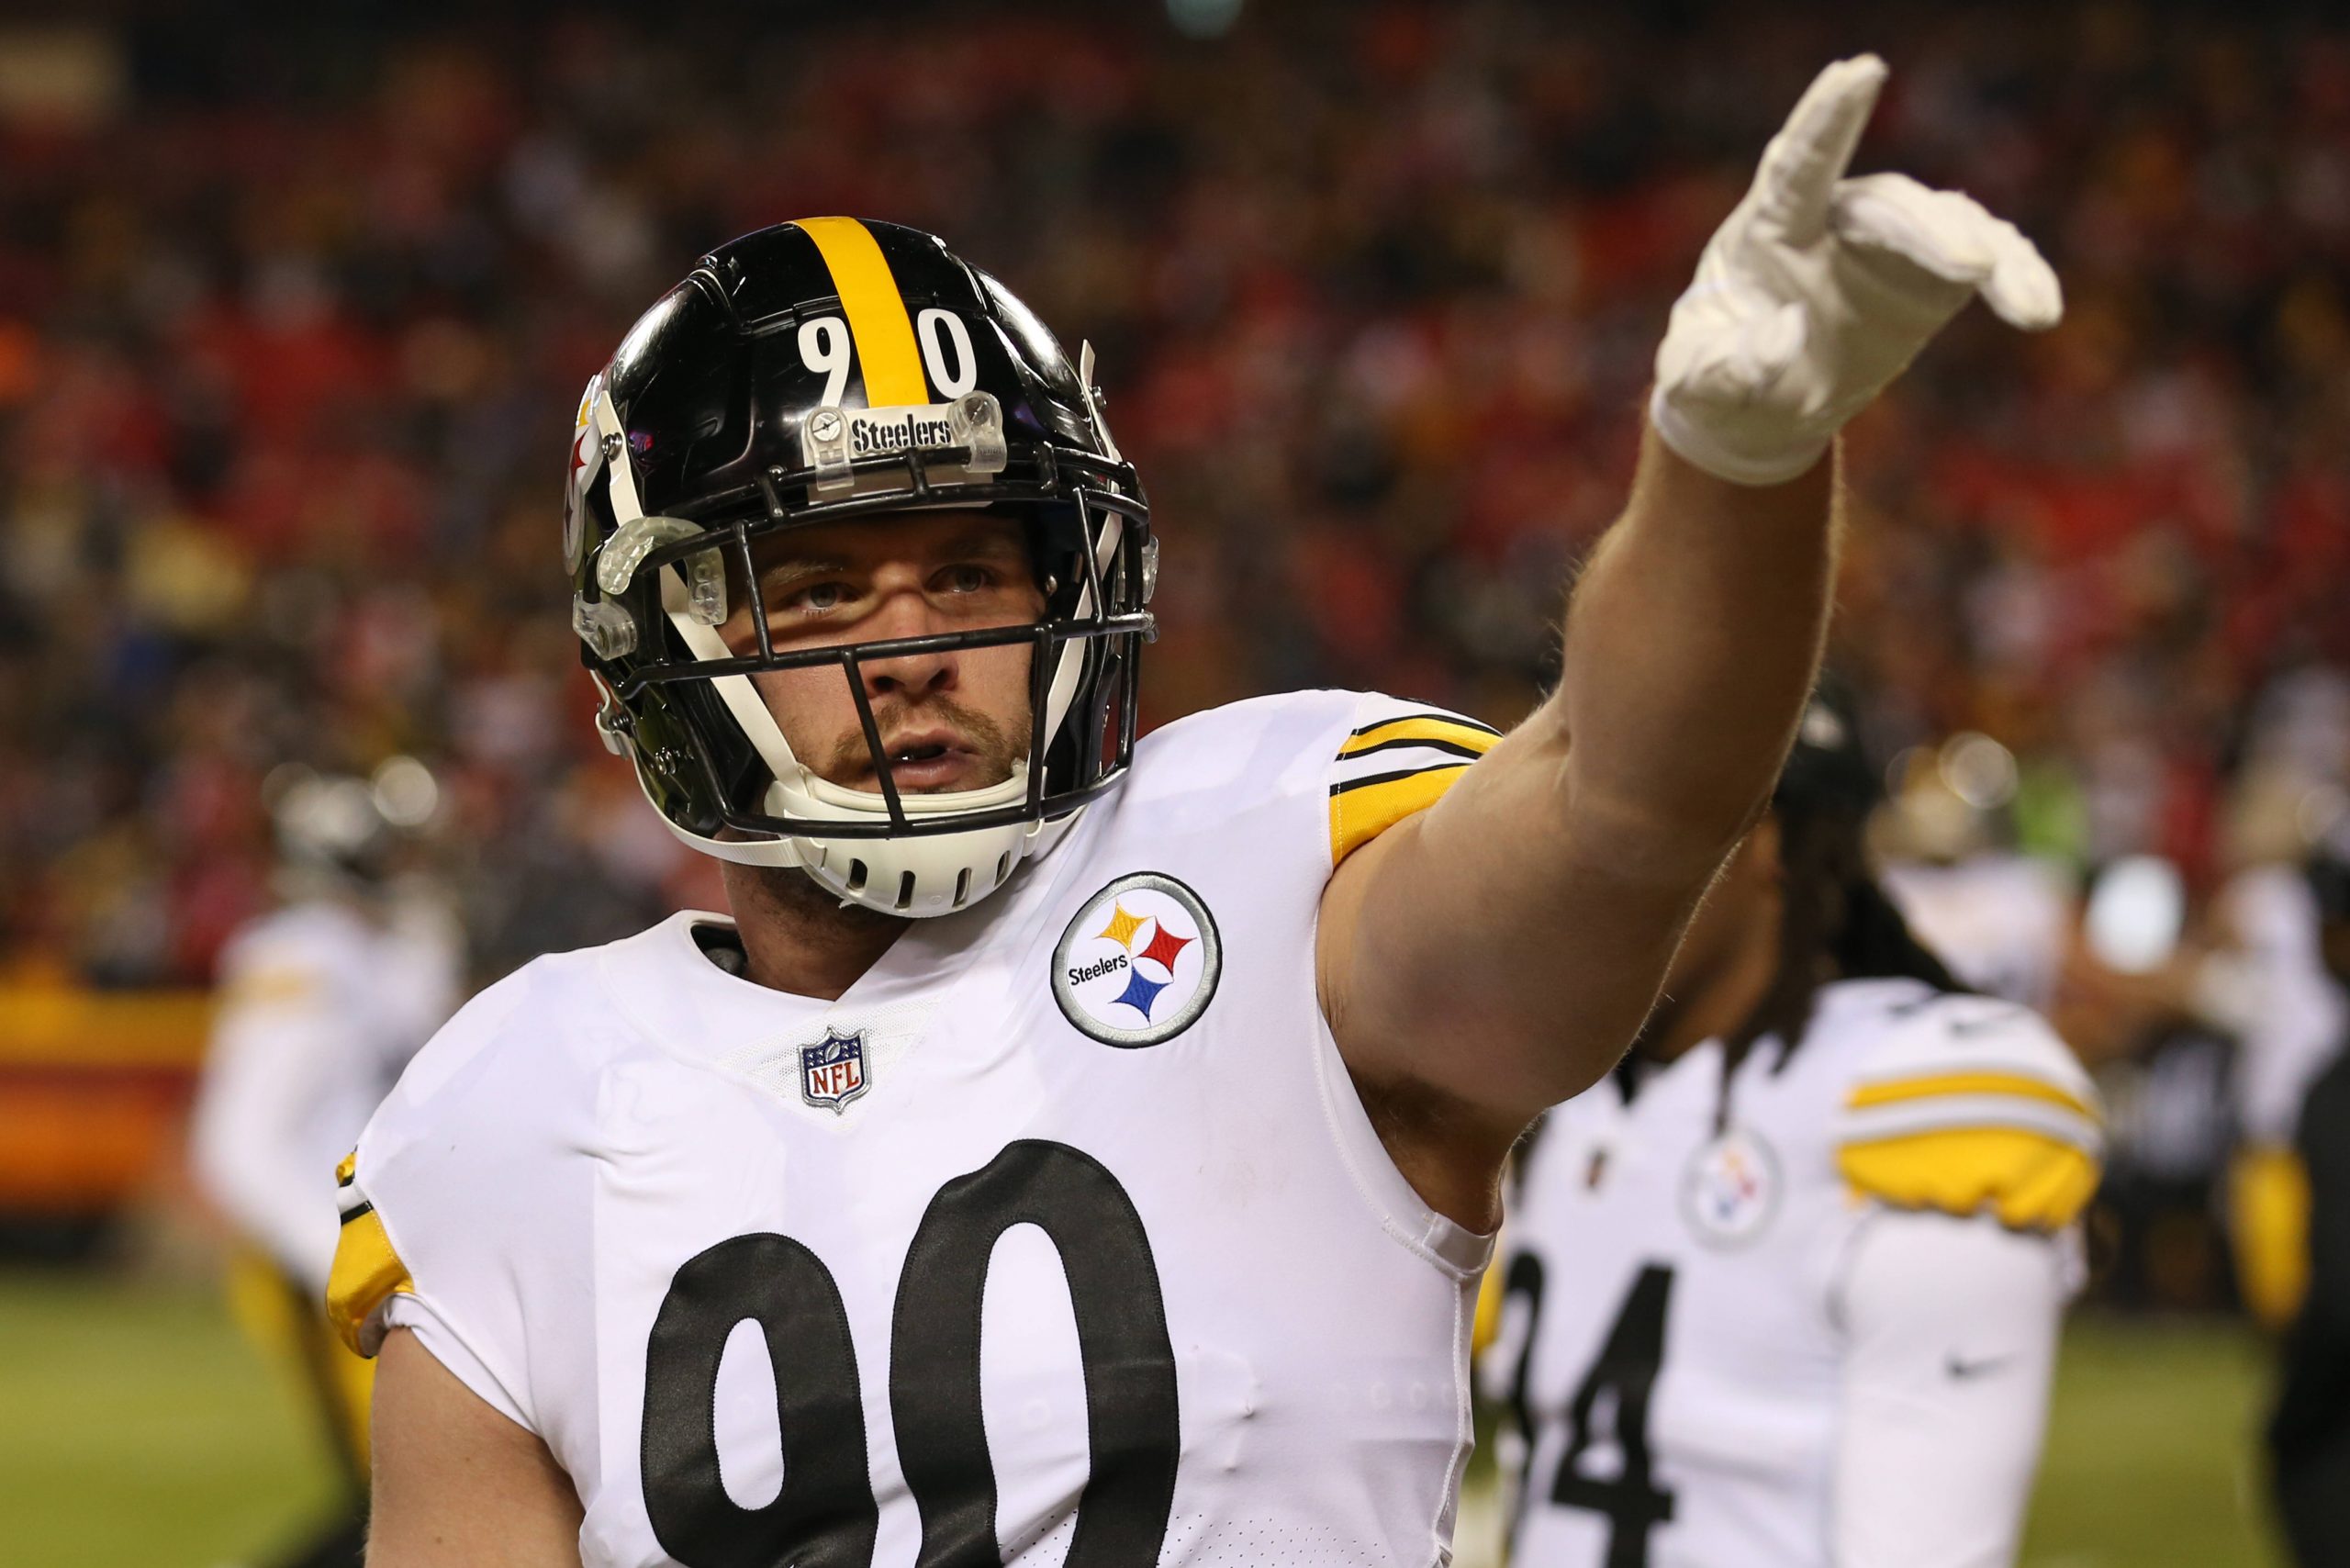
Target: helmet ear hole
[(856, 876)]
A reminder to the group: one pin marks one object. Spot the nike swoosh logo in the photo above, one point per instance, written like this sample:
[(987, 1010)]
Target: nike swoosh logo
[(1962, 1370)]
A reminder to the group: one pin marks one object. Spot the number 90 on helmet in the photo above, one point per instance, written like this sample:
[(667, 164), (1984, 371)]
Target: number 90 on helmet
[(823, 371)]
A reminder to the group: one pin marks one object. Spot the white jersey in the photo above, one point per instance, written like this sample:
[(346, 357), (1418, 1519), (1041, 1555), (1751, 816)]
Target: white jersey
[(1676, 1331), (321, 1006), (2269, 984), (1060, 1236), (2001, 922)]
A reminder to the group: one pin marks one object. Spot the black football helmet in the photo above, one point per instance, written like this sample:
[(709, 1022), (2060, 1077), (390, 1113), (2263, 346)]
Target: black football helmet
[(815, 371)]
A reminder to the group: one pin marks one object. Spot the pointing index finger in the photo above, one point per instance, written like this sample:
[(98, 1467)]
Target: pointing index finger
[(1804, 162)]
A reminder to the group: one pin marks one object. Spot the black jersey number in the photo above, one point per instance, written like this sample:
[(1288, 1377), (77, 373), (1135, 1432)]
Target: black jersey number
[(825, 1516), (1523, 1281), (1627, 1370)]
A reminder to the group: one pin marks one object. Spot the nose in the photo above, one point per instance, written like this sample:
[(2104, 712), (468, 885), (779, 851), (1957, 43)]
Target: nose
[(908, 613)]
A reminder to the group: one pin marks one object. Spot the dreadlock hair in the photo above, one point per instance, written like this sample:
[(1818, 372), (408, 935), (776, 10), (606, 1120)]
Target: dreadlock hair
[(1835, 922)]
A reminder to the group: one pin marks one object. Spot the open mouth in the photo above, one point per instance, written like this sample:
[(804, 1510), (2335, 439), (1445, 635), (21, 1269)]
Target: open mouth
[(929, 762)]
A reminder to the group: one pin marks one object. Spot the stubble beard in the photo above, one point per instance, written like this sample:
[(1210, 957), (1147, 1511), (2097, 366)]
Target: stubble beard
[(1000, 747)]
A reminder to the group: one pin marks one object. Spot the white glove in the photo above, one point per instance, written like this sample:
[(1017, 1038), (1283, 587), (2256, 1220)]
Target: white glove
[(1818, 290)]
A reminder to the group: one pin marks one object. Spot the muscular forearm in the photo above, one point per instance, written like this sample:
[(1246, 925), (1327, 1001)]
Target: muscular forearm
[(1692, 641), (1589, 833), (1493, 956)]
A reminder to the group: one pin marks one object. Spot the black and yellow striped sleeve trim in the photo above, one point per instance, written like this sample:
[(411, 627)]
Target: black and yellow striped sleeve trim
[(1441, 732), (2029, 1179), (366, 1272), (878, 327), (1362, 808), (1997, 1140), (1388, 769)]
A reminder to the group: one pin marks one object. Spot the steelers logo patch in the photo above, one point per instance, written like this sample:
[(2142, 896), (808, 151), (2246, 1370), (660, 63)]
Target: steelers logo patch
[(1139, 963), (1732, 1188)]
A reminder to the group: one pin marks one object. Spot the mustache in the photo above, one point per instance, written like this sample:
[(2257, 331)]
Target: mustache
[(998, 744)]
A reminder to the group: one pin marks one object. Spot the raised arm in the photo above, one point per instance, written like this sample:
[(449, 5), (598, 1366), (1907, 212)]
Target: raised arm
[(1494, 953)]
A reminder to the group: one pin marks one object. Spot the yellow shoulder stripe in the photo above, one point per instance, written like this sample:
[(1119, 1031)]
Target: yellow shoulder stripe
[(1361, 811), (878, 323), (366, 1272), (2021, 1085), (1420, 728), (2031, 1182)]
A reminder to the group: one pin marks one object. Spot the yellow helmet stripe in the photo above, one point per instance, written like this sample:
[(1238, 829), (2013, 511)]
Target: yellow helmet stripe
[(878, 322)]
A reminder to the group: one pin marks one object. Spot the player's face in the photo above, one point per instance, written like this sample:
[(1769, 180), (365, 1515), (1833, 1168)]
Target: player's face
[(948, 721)]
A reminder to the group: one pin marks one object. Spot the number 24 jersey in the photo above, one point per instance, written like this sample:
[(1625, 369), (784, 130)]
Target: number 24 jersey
[(1060, 1237)]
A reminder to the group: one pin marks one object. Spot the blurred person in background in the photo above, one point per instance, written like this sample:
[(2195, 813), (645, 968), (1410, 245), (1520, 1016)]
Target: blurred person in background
[(1785, 1289), (2308, 1435), (2208, 1014), (2002, 919), (2264, 975), (323, 1002)]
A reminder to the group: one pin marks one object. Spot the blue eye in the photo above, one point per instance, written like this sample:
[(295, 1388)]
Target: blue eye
[(819, 597)]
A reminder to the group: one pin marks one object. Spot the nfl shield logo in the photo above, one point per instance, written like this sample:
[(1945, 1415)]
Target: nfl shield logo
[(832, 1072)]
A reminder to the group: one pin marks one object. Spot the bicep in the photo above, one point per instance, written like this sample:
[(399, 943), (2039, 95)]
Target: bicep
[(1951, 1330), (456, 1482), (1487, 945)]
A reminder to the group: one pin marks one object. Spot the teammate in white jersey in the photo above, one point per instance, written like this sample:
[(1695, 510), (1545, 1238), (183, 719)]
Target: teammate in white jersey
[(322, 1004), (1074, 1149), (1785, 1291)]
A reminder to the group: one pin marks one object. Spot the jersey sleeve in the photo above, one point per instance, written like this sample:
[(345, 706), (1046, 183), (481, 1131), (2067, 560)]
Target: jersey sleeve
[(462, 1199), (1395, 758), (1950, 1345), (1971, 1105)]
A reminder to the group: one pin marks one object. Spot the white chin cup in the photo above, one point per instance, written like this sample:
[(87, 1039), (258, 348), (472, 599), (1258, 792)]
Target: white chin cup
[(919, 875)]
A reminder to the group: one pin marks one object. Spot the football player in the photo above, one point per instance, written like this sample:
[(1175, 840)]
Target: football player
[(321, 1002), (947, 1204), (2002, 919), (1785, 1289)]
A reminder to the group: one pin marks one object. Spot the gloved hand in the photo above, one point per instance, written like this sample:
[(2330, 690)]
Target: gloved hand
[(1818, 290)]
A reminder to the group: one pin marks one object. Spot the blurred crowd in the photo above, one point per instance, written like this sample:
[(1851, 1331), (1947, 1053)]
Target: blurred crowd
[(290, 335)]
